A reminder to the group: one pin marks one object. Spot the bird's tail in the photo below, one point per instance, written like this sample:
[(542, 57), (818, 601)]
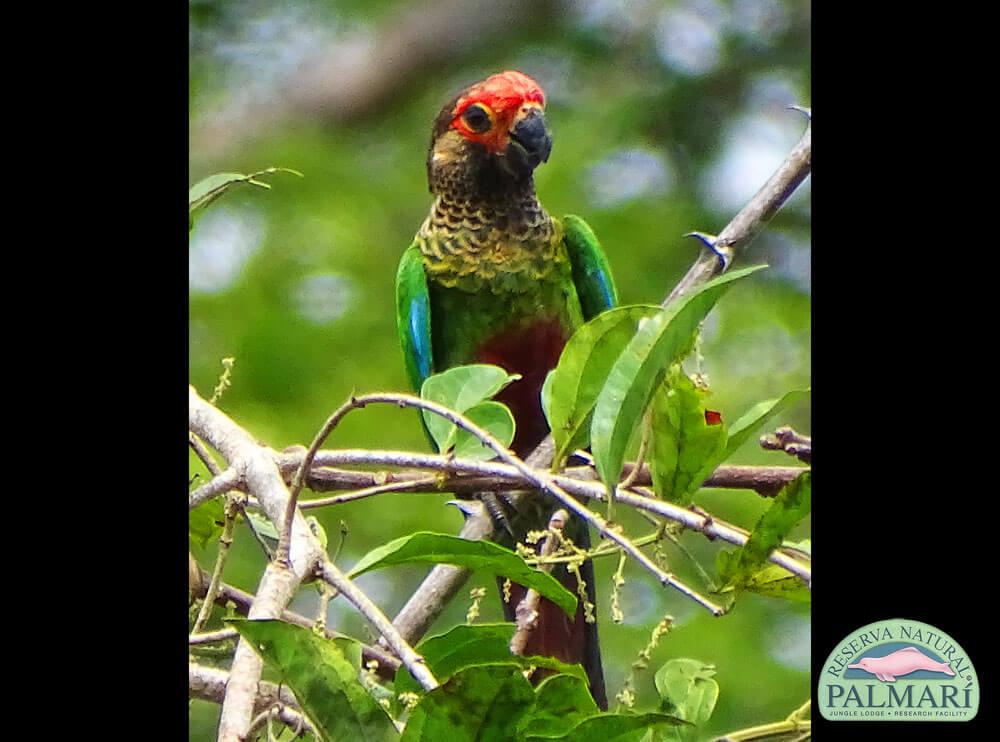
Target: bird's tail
[(556, 635)]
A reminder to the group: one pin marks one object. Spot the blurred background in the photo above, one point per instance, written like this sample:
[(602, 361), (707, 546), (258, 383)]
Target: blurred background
[(666, 118)]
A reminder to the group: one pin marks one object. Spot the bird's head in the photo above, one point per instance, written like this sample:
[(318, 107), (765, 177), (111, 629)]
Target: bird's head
[(497, 125)]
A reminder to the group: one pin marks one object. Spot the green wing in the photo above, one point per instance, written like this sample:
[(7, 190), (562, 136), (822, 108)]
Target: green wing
[(413, 317), (591, 272)]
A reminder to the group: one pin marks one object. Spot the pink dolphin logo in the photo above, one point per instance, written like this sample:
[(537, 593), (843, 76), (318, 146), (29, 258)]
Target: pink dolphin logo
[(900, 662)]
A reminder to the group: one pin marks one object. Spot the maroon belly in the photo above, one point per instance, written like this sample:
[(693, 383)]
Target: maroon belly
[(532, 351)]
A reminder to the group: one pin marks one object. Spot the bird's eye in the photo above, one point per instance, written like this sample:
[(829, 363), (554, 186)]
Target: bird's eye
[(477, 118)]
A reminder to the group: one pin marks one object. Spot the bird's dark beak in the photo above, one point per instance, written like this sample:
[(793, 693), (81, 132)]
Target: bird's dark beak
[(530, 143)]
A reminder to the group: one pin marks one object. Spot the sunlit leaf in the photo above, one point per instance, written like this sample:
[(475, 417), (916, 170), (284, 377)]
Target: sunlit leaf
[(687, 689), (493, 417), (205, 521), (476, 644), (204, 192), (460, 389), (684, 447), (324, 681), (438, 548), (790, 506), (754, 418), (562, 702), (480, 703), (583, 368), (659, 342)]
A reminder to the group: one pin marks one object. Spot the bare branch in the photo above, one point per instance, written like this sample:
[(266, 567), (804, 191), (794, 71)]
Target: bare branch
[(212, 637), (206, 458), (209, 684), (787, 440), (413, 485), (527, 610), (751, 219), (578, 487), (230, 479), (413, 661), (241, 601), (443, 582), (225, 541), (263, 480), (538, 479)]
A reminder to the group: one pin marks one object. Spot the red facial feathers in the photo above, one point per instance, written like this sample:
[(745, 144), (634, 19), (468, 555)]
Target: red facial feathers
[(503, 97)]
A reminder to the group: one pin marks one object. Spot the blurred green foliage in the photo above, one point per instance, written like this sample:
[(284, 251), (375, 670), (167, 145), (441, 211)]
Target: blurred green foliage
[(666, 117)]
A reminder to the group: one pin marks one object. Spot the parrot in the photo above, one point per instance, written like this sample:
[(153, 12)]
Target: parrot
[(491, 277)]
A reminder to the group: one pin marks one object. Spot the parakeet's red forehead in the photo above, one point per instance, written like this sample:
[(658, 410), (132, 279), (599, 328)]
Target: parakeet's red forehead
[(502, 91)]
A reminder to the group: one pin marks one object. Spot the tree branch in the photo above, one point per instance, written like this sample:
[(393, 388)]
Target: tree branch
[(209, 684), (527, 610), (413, 661), (712, 528), (751, 219), (536, 477), (241, 601), (262, 479), (443, 582)]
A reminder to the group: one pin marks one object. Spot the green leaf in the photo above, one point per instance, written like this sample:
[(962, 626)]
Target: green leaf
[(775, 582), (546, 395), (684, 448), (460, 389), (438, 548), (263, 526), (687, 689), (479, 704), (324, 681), (204, 192), (583, 368), (790, 506), (462, 647), (491, 416), (477, 644), (205, 521), (201, 194), (659, 342), (561, 702), (756, 416), (611, 728)]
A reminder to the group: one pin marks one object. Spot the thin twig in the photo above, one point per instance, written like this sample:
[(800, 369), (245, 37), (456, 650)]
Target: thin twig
[(241, 602), (712, 528), (527, 610), (209, 684), (788, 440), (225, 542), (414, 485), (330, 573), (751, 219), (538, 479), (280, 580), (230, 479), (212, 637), (647, 429), (206, 458)]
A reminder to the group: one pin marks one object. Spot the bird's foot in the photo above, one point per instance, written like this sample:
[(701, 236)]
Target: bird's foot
[(807, 112), (711, 242)]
